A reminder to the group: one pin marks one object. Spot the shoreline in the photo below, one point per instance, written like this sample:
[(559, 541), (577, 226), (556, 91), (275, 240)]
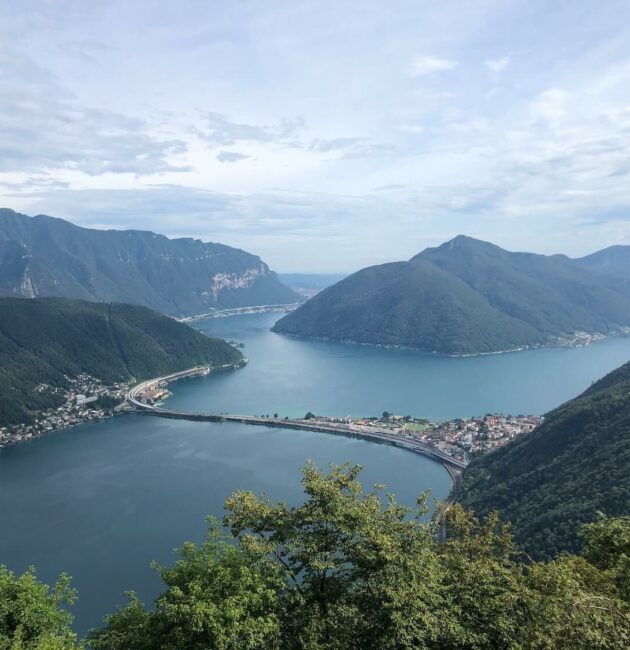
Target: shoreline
[(453, 466), (238, 311), (588, 340), (99, 415)]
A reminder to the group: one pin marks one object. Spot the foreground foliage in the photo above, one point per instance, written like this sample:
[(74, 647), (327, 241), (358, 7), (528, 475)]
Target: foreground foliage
[(350, 569), (32, 615), (552, 481)]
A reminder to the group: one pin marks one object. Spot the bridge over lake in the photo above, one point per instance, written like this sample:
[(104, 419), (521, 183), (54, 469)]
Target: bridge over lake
[(375, 434)]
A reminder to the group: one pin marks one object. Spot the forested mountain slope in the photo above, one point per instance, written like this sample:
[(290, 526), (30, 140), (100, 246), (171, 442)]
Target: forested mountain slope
[(466, 297), (43, 340), (614, 260), (549, 482), (42, 256)]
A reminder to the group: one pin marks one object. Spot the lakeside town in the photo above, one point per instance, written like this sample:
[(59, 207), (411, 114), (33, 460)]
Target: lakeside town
[(461, 438), (83, 399)]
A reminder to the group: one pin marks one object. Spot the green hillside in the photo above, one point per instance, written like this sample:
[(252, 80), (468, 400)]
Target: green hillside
[(43, 340), (548, 483), (43, 257), (465, 297), (614, 261)]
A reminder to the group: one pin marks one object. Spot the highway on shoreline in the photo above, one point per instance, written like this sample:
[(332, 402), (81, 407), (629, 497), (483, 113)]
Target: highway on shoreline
[(452, 465)]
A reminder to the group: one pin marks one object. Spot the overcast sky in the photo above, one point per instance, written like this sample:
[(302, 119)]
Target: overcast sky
[(323, 136)]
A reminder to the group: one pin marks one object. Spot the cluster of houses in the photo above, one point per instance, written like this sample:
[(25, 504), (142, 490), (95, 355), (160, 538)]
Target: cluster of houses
[(85, 398), (463, 437), (460, 438)]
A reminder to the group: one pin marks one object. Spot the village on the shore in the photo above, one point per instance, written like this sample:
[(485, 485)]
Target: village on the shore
[(84, 398), (461, 438)]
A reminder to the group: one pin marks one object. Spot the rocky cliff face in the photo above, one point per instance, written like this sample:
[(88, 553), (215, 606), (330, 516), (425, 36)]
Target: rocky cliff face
[(42, 256)]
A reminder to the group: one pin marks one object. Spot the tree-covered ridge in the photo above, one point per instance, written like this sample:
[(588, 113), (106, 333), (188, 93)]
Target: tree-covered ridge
[(45, 339), (614, 261), (354, 570), (466, 297), (42, 256), (550, 482)]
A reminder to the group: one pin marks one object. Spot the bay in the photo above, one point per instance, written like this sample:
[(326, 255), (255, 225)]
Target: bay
[(101, 500)]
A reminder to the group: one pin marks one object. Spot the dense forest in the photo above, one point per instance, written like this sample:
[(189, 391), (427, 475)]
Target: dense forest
[(466, 297), (351, 570), (550, 482), (44, 340)]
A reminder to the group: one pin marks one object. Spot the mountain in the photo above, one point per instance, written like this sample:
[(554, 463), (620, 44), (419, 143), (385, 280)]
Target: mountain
[(42, 256), (465, 297), (549, 482), (44, 339), (614, 261)]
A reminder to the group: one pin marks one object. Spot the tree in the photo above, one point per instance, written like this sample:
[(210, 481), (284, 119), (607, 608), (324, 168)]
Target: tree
[(33, 616), (218, 596), (354, 562), (351, 569)]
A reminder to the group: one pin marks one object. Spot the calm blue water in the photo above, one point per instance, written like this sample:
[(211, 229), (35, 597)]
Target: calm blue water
[(291, 376), (100, 501)]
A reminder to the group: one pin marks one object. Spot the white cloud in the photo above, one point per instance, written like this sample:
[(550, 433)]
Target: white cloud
[(94, 121), (221, 130), (231, 156), (498, 65), (427, 65), (551, 105)]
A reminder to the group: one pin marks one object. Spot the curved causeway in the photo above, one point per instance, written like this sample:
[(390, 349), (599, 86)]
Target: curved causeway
[(375, 434)]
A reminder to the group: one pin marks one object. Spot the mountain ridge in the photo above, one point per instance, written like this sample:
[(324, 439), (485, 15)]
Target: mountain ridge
[(466, 297), (46, 256)]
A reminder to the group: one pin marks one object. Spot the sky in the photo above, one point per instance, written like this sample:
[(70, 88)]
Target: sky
[(322, 136)]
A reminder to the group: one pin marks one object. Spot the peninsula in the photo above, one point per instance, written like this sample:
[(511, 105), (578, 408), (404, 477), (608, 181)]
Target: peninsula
[(66, 361), (468, 297), (451, 443)]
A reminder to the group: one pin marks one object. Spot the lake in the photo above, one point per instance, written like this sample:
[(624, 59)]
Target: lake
[(101, 500), (289, 376)]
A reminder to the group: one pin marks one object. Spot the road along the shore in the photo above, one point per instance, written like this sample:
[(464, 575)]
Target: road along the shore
[(452, 465)]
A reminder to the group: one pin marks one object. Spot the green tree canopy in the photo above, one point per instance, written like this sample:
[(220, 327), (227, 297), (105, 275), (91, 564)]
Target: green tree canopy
[(33, 616), (352, 569)]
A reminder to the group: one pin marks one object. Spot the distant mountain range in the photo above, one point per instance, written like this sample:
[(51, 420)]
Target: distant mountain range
[(549, 482), (468, 297), (308, 284), (42, 256), (46, 339)]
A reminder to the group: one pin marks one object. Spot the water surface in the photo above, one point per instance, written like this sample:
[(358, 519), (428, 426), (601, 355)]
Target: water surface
[(290, 376), (101, 500)]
